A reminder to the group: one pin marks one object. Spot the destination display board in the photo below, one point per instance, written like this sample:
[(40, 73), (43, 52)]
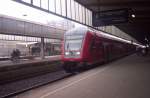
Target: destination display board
[(110, 17)]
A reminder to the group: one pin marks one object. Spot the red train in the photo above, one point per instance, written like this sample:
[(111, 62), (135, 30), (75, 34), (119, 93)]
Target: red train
[(82, 47)]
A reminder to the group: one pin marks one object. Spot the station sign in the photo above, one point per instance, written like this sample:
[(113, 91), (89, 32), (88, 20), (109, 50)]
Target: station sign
[(110, 17)]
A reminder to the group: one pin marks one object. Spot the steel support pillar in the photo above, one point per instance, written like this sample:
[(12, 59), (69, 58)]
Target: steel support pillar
[(42, 47)]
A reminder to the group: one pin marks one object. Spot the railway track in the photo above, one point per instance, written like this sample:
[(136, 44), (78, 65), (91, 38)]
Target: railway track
[(12, 89)]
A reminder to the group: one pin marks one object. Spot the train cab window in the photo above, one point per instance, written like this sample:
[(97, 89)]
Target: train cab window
[(74, 39), (73, 44)]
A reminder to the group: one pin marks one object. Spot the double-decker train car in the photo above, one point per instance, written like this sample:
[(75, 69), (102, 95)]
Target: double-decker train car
[(82, 47)]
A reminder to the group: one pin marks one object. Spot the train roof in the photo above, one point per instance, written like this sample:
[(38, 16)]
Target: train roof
[(113, 37), (83, 30)]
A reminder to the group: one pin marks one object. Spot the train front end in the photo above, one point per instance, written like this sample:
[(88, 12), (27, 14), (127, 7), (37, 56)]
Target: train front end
[(72, 49)]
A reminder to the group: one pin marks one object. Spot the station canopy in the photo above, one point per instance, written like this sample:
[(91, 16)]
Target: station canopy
[(138, 16)]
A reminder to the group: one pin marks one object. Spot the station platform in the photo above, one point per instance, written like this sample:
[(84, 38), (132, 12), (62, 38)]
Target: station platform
[(10, 71), (124, 78), (8, 63)]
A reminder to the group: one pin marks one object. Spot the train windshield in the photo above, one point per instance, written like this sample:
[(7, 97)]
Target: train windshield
[(73, 43), (74, 39)]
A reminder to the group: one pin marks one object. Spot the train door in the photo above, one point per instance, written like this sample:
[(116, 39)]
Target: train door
[(106, 52), (93, 49)]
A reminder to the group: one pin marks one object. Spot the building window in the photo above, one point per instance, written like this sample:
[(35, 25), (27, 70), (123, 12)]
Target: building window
[(77, 11), (44, 4), (80, 14), (52, 5), (68, 9), (83, 14), (73, 13), (37, 3), (58, 6), (87, 17), (63, 7)]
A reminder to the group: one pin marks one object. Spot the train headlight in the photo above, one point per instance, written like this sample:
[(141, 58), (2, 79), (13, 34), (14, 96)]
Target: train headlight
[(66, 53), (78, 53)]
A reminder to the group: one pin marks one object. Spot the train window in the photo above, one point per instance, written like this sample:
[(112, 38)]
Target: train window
[(94, 42), (92, 45), (74, 44), (74, 39)]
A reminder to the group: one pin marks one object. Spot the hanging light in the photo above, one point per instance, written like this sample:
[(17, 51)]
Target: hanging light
[(133, 16)]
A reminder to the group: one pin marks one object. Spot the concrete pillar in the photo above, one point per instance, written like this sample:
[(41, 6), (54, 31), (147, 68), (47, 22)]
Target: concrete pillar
[(42, 48)]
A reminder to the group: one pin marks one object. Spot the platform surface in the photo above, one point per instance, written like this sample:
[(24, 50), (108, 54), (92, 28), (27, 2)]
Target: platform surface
[(128, 77), (9, 63)]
